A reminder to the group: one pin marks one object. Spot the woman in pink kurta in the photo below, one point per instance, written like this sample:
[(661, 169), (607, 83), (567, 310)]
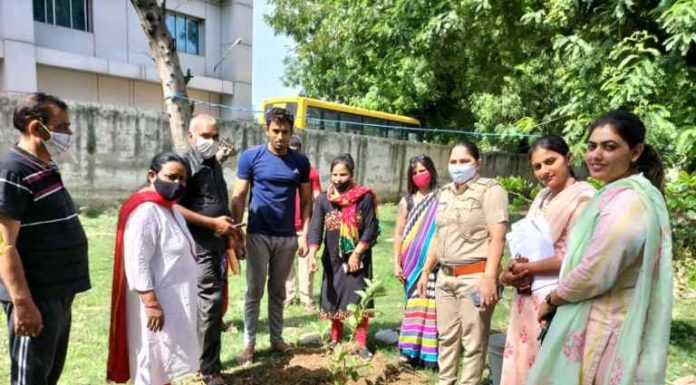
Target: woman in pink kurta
[(559, 203), (614, 295)]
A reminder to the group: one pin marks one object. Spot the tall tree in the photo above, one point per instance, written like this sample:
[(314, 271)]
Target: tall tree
[(163, 52), (501, 66)]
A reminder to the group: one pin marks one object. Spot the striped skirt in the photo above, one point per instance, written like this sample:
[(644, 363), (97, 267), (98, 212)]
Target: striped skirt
[(418, 334)]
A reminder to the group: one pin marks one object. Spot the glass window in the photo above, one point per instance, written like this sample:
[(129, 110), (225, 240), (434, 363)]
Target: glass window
[(330, 120), (49, 12), (79, 21), (186, 31), (192, 34), (40, 10), (353, 123), (65, 13), (171, 24), (372, 126), (62, 12), (313, 118), (180, 33)]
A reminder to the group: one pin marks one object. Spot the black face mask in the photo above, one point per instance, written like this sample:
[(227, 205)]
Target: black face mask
[(170, 191), (343, 186)]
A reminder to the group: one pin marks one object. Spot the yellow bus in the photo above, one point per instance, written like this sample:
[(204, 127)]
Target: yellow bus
[(320, 115)]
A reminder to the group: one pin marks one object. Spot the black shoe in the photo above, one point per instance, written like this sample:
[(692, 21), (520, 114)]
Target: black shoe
[(364, 354)]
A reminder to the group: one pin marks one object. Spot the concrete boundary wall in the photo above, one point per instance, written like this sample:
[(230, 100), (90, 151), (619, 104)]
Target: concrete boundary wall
[(114, 145)]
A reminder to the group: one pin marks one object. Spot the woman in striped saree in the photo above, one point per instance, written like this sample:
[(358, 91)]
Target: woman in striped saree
[(415, 227)]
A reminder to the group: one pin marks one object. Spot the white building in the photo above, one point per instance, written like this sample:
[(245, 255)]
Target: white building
[(96, 51)]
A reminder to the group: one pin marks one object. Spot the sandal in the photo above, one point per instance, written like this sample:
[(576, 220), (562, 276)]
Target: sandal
[(364, 354)]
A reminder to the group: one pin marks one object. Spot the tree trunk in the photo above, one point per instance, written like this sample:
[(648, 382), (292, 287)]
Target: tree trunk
[(163, 53)]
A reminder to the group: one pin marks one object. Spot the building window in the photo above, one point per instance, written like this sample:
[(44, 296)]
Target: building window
[(186, 32), (65, 13)]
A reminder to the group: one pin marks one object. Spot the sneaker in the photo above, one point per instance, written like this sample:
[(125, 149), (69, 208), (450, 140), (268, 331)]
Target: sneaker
[(363, 353)]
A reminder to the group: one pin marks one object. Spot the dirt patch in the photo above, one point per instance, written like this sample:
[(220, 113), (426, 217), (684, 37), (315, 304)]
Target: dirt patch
[(310, 367)]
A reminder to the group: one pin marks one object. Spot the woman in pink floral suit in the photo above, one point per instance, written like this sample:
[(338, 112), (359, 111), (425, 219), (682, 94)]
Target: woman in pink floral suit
[(559, 203)]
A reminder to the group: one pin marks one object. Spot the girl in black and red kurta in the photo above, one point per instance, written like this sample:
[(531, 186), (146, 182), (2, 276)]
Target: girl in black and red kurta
[(345, 218)]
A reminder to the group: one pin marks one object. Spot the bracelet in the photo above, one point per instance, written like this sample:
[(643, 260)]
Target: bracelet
[(548, 301)]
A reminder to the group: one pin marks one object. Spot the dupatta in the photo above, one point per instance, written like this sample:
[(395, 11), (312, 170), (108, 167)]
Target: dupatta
[(641, 351)]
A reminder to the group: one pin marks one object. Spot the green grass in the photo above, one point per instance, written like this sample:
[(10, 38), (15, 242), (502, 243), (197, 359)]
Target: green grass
[(88, 344)]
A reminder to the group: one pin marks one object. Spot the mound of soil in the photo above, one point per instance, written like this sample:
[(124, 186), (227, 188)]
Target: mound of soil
[(310, 367)]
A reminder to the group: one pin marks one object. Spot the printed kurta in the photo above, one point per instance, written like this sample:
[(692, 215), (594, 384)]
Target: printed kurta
[(521, 345), (159, 255), (617, 277)]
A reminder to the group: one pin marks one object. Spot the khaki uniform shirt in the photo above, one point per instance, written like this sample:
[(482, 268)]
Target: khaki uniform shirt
[(463, 216)]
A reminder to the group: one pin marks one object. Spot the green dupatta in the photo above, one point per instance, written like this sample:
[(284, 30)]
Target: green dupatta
[(641, 353)]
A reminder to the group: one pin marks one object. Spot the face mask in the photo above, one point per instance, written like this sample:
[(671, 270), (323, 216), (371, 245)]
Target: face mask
[(170, 191), (207, 147), (422, 180), (342, 186), (57, 142), (461, 173)]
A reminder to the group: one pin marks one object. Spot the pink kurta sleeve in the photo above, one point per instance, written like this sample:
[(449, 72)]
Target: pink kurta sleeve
[(616, 243)]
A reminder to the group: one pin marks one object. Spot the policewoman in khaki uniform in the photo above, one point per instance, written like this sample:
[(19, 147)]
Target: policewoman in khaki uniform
[(471, 223)]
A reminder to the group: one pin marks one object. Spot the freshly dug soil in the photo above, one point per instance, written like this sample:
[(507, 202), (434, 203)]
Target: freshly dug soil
[(310, 367)]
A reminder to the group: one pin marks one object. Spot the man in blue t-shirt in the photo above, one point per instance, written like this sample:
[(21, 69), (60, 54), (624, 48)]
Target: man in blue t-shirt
[(274, 173)]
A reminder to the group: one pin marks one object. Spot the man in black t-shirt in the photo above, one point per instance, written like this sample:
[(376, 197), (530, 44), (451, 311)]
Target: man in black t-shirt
[(45, 264), (205, 205)]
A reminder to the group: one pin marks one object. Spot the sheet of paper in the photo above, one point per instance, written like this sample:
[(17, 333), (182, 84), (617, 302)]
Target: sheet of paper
[(531, 238)]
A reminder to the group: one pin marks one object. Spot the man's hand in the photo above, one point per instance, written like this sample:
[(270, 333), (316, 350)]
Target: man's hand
[(27, 319), (302, 248), (223, 225)]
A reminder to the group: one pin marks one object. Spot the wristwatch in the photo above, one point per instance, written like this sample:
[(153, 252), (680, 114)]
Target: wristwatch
[(548, 300)]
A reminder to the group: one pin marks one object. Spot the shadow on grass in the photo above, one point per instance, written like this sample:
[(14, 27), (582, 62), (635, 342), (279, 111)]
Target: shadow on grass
[(683, 335), (274, 368)]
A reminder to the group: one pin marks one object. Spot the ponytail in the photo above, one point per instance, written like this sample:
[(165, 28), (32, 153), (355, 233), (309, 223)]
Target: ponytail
[(650, 164)]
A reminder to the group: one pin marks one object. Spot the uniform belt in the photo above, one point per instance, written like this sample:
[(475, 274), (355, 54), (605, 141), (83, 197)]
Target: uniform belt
[(478, 267)]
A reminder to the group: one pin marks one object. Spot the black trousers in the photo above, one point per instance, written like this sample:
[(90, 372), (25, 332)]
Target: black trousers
[(39, 360), (210, 311)]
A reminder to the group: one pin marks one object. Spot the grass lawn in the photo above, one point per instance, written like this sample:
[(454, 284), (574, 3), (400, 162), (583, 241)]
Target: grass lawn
[(88, 344)]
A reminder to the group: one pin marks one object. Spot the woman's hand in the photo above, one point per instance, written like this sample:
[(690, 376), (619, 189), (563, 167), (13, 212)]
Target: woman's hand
[(155, 317), (488, 290), (422, 285), (398, 271), (546, 311), (353, 263)]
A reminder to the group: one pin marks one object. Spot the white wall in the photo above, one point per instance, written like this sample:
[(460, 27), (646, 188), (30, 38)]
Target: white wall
[(114, 56)]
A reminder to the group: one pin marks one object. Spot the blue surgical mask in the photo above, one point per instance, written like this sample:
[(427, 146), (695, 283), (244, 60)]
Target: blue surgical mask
[(461, 173), (57, 143)]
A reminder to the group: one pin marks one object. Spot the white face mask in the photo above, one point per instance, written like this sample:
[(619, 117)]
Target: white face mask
[(461, 173), (57, 142), (206, 147)]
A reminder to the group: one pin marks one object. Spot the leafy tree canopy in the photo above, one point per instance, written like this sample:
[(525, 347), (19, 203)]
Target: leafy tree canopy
[(503, 66)]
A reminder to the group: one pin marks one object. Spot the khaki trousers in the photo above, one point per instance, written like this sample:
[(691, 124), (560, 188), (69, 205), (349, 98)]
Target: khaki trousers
[(462, 329), (305, 278)]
